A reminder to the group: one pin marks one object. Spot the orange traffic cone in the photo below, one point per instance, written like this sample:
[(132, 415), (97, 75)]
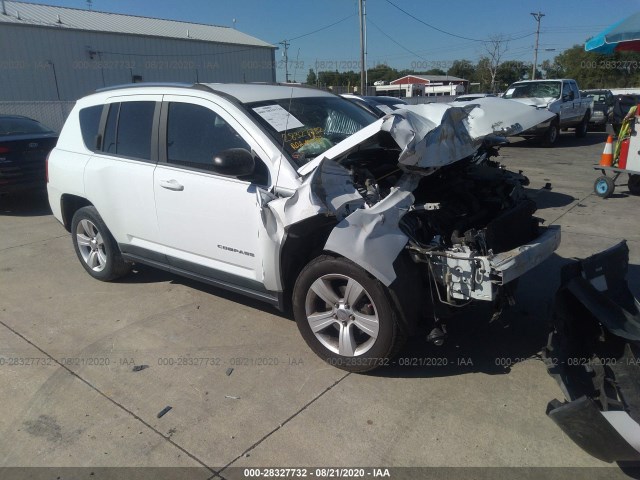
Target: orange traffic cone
[(607, 156)]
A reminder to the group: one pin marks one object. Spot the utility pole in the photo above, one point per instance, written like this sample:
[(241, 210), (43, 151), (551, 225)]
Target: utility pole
[(538, 16), (362, 46), (286, 44)]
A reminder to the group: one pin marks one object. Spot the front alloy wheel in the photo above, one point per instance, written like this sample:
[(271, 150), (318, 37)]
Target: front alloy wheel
[(342, 315), (345, 315)]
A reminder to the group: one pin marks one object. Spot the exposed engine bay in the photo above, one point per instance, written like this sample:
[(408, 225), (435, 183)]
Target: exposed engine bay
[(472, 208), (475, 202)]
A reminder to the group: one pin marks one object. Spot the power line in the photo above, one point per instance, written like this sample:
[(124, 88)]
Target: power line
[(453, 34), (322, 28), (431, 26), (397, 43)]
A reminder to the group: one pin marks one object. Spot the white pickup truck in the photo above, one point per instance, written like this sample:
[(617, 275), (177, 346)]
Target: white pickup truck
[(558, 96)]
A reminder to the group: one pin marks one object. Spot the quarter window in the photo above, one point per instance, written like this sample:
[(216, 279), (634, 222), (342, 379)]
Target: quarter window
[(89, 125)]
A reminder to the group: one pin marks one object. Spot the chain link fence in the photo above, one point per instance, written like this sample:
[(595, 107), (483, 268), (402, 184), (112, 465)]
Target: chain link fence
[(50, 114)]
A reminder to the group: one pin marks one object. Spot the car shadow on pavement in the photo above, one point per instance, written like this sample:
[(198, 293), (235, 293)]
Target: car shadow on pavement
[(476, 345), (549, 198), (25, 204), (146, 274), (565, 140)]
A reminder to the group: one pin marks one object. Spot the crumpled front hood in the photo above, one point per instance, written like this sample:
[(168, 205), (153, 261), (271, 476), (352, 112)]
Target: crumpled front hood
[(435, 134)]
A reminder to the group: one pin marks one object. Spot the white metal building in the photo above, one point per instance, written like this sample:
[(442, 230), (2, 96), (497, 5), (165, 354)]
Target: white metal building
[(55, 53)]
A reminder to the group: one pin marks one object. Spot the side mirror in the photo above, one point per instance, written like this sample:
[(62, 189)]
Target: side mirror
[(234, 162)]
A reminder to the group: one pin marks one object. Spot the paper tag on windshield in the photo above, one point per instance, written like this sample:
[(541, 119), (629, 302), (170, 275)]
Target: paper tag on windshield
[(278, 117)]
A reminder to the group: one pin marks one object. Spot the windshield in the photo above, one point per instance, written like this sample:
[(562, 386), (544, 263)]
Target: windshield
[(309, 126), (18, 126), (533, 90)]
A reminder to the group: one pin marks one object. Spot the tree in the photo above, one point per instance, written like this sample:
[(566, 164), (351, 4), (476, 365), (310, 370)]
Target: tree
[(552, 69), (382, 72), (312, 79), (594, 70), (495, 47), (462, 69), (510, 71), (434, 71), (482, 74)]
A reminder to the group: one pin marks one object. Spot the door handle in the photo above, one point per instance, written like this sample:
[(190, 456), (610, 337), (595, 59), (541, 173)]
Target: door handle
[(171, 185)]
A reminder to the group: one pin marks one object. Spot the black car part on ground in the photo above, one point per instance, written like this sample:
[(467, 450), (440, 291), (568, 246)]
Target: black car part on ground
[(593, 353)]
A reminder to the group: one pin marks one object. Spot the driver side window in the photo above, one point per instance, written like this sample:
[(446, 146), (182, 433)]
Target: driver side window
[(196, 134)]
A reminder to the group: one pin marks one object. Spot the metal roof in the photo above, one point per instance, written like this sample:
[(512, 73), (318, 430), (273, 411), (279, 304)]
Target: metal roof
[(20, 13)]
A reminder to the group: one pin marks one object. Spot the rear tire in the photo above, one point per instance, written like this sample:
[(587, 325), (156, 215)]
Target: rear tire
[(96, 248), (345, 315), (581, 129), (634, 184)]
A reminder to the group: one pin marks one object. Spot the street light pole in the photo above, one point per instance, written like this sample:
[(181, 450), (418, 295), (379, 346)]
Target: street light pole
[(538, 16)]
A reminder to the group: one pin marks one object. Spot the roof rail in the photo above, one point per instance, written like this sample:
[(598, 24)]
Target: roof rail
[(145, 84)]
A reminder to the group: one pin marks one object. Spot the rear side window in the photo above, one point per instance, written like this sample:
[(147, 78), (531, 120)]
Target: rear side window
[(128, 130), (89, 125)]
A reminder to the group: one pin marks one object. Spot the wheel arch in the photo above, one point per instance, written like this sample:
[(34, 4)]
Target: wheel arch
[(69, 205), (303, 242), (306, 240)]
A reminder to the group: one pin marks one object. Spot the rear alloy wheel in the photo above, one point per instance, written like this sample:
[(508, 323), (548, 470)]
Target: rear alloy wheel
[(345, 315), (96, 248), (604, 186)]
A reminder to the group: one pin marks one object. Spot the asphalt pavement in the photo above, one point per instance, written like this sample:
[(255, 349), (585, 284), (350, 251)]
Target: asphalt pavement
[(244, 389)]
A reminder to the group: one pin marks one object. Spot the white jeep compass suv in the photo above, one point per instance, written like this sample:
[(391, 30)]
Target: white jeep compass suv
[(363, 226)]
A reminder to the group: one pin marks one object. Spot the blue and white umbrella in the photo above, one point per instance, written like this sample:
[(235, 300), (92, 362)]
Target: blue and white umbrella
[(621, 36)]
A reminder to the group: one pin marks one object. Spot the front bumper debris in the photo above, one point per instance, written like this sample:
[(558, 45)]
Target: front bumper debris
[(467, 276), (594, 355)]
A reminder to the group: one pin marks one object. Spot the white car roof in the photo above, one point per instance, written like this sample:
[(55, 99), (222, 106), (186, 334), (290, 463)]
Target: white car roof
[(243, 92)]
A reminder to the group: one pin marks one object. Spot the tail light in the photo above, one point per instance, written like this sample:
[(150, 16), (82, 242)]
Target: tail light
[(4, 150)]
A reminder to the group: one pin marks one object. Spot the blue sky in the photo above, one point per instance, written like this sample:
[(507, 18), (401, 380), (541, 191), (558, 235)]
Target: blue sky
[(393, 37)]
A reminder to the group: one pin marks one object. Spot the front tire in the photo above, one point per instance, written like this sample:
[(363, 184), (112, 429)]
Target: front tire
[(345, 315), (96, 248)]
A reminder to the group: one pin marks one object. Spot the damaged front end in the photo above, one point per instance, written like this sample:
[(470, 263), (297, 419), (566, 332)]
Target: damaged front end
[(421, 182), (594, 354)]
